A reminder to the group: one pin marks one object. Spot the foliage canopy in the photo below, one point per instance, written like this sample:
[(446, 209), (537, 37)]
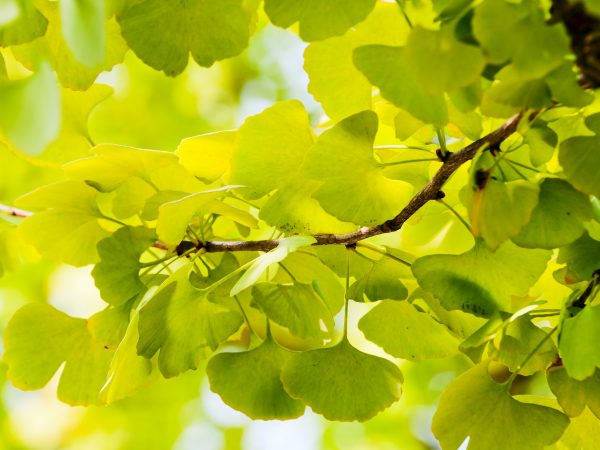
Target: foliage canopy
[(453, 186)]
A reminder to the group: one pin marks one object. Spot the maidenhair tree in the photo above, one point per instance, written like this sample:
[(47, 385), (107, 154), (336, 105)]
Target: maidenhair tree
[(453, 185)]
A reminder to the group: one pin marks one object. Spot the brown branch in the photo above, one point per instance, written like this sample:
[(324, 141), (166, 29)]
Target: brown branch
[(430, 191), (15, 212)]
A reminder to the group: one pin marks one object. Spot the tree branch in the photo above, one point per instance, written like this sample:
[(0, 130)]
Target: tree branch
[(430, 191)]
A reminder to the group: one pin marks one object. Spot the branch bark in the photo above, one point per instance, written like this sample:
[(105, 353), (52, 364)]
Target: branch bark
[(431, 191)]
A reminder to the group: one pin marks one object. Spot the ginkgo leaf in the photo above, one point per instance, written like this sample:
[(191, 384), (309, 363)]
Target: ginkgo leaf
[(574, 395), (264, 261), (580, 161), (341, 382), (307, 268), (499, 210), (458, 64), (520, 337), (270, 146), (394, 325), (579, 360), (381, 282), (163, 34), (207, 156), (509, 31), (113, 165), (38, 100), (69, 228), (181, 323), (319, 19), (480, 281), (582, 258), (175, 216), (250, 382), (39, 339), (117, 274), (387, 68), (297, 307), (25, 27), (52, 46), (476, 407), (354, 189), (558, 217), (83, 28), (334, 79), (128, 371)]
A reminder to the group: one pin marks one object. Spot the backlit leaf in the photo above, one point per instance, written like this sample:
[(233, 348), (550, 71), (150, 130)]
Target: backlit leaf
[(341, 382), (476, 407), (250, 382)]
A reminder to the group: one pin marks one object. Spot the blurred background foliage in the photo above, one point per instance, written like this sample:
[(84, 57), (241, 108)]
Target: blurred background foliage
[(138, 106)]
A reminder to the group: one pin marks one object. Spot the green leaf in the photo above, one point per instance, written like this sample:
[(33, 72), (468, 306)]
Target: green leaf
[(28, 25), (250, 382), (175, 216), (456, 64), (341, 382), (112, 165), (334, 79), (542, 141), (163, 33), (266, 260), (318, 19), (387, 68), (580, 160), (117, 274), (477, 407), (297, 307), (207, 156), (52, 47), (128, 371), (574, 395), (581, 360), (69, 227), (292, 210), (270, 146), (508, 96), (517, 341), (581, 433), (181, 322), (499, 210), (480, 281), (39, 339), (381, 282), (354, 188), (307, 268), (557, 219), (582, 258), (84, 30), (519, 33), (394, 326), (37, 99)]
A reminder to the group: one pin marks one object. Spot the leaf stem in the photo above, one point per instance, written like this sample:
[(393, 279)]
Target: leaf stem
[(457, 215), (442, 140), (383, 252), (237, 300), (407, 161), (286, 270), (346, 301), (530, 355)]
